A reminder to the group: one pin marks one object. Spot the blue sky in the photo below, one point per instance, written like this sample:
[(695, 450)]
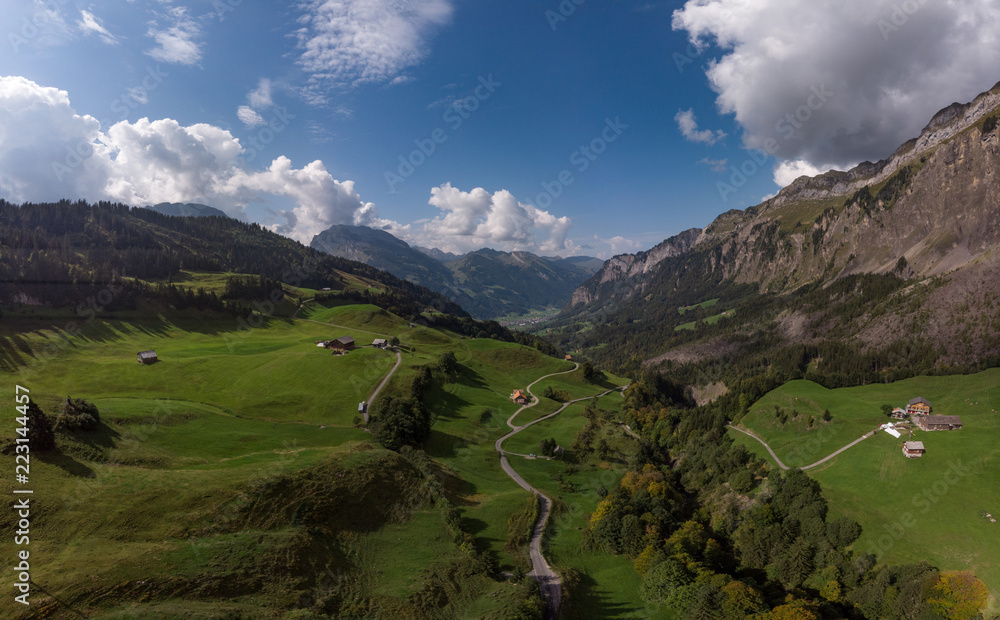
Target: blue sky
[(555, 126)]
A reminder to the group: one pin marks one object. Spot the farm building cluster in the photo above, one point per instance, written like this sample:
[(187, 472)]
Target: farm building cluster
[(920, 413), (344, 344)]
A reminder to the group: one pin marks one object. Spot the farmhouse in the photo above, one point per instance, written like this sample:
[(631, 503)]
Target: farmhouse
[(913, 449), (519, 397), (569, 358), (344, 343), (147, 357), (899, 413), (919, 406), (380, 343), (939, 422)]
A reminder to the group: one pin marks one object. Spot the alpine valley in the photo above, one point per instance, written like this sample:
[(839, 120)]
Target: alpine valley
[(791, 414)]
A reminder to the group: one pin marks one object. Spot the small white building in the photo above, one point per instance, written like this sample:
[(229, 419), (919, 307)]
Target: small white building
[(380, 343)]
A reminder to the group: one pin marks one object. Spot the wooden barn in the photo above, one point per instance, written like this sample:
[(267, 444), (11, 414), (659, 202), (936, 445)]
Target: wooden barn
[(939, 422), (519, 397), (147, 357), (344, 343), (913, 449)]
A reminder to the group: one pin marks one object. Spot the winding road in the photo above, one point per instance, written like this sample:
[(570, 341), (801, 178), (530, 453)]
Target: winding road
[(817, 463), (548, 580)]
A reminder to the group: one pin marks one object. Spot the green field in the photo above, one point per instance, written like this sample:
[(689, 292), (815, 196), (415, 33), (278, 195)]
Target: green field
[(930, 508), (164, 494), (711, 320), (705, 304)]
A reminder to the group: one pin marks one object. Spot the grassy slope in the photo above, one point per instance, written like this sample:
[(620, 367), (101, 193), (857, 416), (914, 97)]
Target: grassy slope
[(929, 508), (245, 407)]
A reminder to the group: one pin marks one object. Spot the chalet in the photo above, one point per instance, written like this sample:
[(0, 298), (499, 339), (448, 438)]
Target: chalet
[(362, 407), (380, 343), (344, 343), (147, 357), (519, 397), (569, 358), (899, 413), (939, 422), (913, 449), (918, 406)]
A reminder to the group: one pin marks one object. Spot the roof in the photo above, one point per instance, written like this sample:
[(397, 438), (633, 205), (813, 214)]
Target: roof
[(914, 445), (518, 393), (345, 340), (943, 419), (918, 399), (378, 341), (145, 354)]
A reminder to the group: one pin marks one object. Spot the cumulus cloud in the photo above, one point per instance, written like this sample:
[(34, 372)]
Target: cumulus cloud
[(345, 42), (177, 43), (89, 24), (788, 171), (688, 125), (50, 152), (477, 218), (249, 117), (841, 81)]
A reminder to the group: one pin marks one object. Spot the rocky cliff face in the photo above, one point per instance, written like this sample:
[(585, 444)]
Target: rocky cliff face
[(630, 267), (935, 203)]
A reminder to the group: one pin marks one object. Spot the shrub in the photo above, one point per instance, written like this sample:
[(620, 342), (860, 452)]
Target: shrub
[(78, 415)]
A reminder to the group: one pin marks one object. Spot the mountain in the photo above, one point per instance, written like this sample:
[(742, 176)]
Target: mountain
[(501, 283), (914, 237), (487, 283), (177, 209), (438, 255), (384, 251)]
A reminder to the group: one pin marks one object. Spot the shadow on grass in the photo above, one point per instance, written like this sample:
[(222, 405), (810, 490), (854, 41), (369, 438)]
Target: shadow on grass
[(444, 445), (583, 598), (471, 378), (66, 463)]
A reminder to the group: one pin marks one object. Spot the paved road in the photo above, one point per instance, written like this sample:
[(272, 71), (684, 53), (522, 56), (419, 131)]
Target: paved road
[(773, 455), (817, 463), (548, 580), (399, 360)]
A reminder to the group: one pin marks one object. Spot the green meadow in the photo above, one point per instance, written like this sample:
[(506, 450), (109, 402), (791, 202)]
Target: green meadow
[(933, 508), (196, 493)]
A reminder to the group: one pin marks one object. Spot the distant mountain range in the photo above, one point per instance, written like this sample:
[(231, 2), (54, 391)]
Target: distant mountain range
[(177, 209), (487, 283)]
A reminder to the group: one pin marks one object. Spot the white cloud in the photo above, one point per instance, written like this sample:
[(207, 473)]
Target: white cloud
[(260, 98), (346, 42), (689, 129), (89, 24), (475, 219), (858, 77), (50, 152), (717, 165), (788, 171), (249, 116), (177, 43)]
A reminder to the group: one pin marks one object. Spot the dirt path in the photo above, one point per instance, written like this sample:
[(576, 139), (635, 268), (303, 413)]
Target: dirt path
[(817, 463), (548, 580)]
